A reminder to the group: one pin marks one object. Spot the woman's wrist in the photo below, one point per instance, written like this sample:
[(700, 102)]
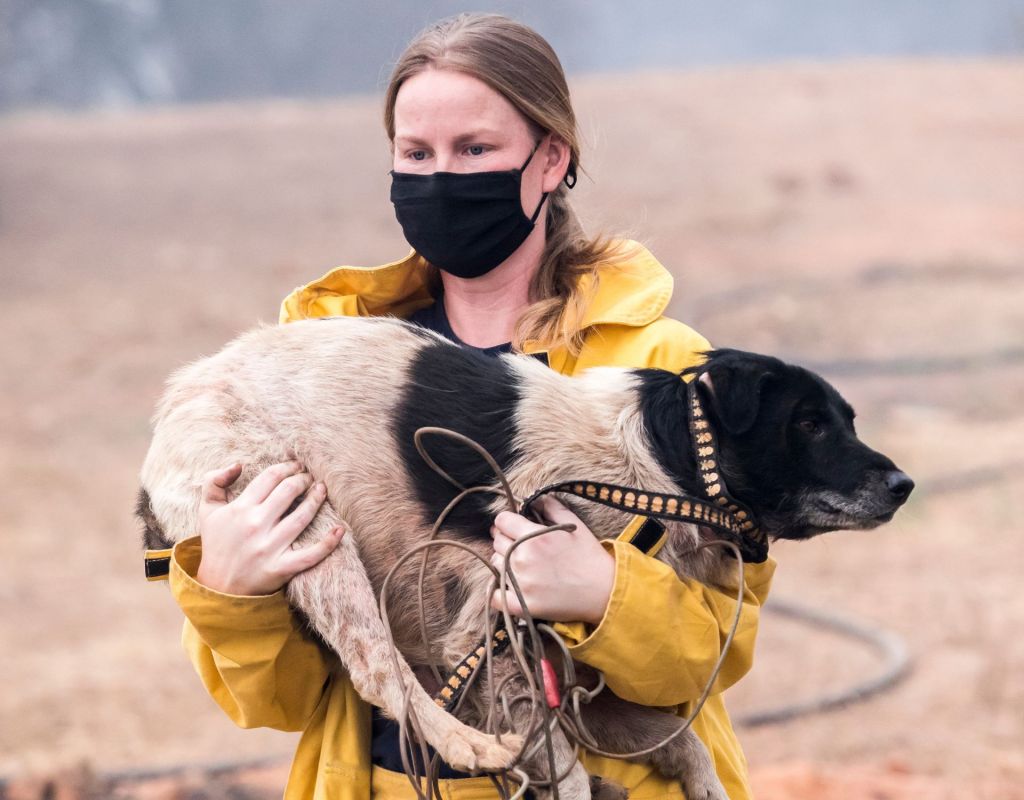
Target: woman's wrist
[(226, 584), (603, 584)]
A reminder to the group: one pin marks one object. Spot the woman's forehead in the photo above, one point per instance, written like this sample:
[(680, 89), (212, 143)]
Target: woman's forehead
[(448, 105)]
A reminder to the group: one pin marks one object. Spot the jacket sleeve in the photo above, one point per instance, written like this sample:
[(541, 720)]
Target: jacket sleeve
[(661, 636), (249, 651)]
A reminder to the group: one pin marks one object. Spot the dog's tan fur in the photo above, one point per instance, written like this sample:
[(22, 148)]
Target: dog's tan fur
[(324, 392)]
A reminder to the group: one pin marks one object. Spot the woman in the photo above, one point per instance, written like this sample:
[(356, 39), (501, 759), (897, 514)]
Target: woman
[(485, 150)]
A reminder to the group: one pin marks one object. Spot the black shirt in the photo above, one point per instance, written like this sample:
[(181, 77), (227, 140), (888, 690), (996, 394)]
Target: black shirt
[(434, 318)]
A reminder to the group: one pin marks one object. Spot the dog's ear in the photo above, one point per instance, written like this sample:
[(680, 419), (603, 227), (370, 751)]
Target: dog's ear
[(733, 390)]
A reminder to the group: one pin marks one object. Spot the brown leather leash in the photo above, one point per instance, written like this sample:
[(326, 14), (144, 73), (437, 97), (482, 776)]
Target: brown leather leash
[(717, 510)]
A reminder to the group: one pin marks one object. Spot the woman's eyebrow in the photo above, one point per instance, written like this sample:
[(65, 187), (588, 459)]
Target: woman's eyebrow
[(410, 140), (476, 133)]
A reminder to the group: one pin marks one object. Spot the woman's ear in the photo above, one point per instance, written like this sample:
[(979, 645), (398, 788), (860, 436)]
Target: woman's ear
[(557, 155)]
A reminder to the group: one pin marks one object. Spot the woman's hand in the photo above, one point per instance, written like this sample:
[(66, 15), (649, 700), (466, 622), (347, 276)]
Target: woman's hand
[(247, 542), (565, 576)]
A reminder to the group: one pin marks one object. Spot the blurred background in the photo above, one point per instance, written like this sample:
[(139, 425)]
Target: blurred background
[(841, 184)]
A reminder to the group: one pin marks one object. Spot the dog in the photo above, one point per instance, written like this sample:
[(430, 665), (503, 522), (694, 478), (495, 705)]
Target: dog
[(345, 397)]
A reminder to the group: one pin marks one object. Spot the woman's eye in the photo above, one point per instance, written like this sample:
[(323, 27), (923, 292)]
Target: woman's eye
[(418, 155), (476, 149)]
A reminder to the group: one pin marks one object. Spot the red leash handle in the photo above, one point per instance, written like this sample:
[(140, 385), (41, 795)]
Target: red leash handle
[(551, 693)]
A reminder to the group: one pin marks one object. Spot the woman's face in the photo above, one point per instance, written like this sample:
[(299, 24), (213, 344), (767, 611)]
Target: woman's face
[(448, 121)]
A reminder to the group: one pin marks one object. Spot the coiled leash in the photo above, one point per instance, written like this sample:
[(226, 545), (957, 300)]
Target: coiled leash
[(740, 537), (718, 510)]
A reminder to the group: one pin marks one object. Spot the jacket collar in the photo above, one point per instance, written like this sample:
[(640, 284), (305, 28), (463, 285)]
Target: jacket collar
[(634, 291)]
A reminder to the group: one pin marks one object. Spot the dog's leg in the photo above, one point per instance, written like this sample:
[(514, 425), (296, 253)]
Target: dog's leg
[(577, 783), (621, 727), (338, 598)]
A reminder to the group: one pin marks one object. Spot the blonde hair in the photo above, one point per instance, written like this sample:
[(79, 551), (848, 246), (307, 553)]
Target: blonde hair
[(519, 64)]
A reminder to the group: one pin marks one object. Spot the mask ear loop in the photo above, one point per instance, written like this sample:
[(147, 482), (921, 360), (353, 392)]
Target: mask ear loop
[(544, 196), (536, 213), (529, 158)]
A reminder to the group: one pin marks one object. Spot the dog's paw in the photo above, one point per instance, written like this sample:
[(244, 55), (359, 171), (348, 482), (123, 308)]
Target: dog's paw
[(470, 750), (604, 789), (705, 790), (702, 784)]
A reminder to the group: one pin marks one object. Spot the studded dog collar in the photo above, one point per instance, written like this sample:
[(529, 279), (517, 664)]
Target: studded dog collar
[(717, 509)]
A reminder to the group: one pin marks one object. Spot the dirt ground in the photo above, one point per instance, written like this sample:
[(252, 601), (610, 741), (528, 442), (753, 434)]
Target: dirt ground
[(866, 218)]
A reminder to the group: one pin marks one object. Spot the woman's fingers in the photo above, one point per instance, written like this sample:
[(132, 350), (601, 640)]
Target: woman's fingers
[(513, 608), (285, 493), (557, 513), (292, 562), (498, 562), (513, 525), (501, 542), (516, 526), (216, 482), (293, 524), (260, 488)]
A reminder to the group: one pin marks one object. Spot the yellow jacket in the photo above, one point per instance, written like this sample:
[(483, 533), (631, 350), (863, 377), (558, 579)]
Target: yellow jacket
[(657, 643)]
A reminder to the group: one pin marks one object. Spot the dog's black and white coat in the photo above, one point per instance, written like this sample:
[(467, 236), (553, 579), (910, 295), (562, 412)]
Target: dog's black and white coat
[(344, 396)]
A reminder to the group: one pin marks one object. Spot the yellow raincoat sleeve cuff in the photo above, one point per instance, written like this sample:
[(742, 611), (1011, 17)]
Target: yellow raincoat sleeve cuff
[(660, 636), (249, 652)]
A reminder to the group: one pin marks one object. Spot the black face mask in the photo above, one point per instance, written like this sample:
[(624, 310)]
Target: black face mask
[(463, 223)]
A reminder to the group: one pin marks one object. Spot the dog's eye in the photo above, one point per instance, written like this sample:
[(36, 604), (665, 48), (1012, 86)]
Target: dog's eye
[(810, 426)]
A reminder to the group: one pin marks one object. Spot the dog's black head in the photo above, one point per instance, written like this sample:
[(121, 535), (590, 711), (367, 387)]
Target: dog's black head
[(788, 448)]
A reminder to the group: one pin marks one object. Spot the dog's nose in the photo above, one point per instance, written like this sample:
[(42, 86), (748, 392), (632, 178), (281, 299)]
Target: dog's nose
[(899, 484)]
